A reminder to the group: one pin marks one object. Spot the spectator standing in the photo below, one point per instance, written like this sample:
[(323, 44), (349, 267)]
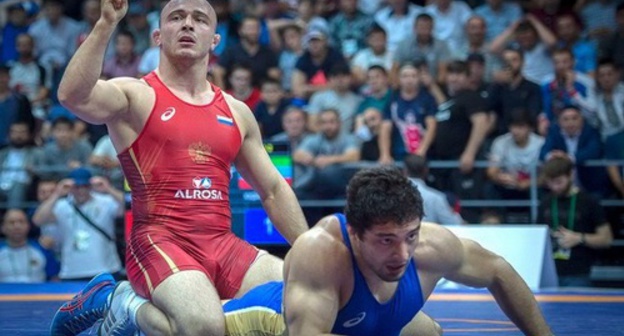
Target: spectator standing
[(410, 117), (260, 59), (512, 91), (86, 217)]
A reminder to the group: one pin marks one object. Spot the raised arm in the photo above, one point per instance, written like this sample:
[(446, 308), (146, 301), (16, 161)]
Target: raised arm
[(481, 268), (312, 286), (256, 167), (80, 90), (45, 211)]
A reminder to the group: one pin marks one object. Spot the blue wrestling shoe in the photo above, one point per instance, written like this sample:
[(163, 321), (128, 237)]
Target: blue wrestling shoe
[(82, 311)]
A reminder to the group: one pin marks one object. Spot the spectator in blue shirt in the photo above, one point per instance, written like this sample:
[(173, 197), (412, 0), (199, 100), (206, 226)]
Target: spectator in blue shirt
[(569, 35)]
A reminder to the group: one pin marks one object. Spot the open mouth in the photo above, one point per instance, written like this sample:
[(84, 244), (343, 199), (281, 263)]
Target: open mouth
[(187, 40)]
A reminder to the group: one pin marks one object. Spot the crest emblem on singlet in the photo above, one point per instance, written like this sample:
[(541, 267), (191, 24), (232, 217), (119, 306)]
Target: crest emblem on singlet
[(199, 152)]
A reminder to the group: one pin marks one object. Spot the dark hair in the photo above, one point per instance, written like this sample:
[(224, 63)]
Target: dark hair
[(375, 28), (424, 16), (381, 195), (126, 33), (563, 50), (416, 165), (5, 69), (271, 81), (557, 166), (520, 117), (378, 68), (63, 121), (619, 7), (460, 67), (332, 111), (570, 107), (514, 50), (339, 69), (525, 26), (607, 61)]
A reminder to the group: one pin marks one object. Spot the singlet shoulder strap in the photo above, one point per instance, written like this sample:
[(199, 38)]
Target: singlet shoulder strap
[(345, 233)]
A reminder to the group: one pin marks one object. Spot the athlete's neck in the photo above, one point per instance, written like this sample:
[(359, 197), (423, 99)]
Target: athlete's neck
[(187, 78)]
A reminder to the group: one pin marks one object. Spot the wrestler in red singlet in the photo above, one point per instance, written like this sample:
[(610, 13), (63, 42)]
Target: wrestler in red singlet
[(179, 172)]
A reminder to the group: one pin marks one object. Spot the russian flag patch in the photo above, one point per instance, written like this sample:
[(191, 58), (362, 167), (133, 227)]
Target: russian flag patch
[(225, 120)]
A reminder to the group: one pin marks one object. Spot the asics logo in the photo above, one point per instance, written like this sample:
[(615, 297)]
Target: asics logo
[(168, 114), (355, 321)]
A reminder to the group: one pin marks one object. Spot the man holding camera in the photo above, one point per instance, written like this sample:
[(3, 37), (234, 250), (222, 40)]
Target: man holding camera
[(85, 208)]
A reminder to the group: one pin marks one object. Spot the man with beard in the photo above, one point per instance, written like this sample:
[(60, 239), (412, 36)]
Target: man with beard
[(15, 161), (512, 91), (577, 221), (323, 155), (373, 269)]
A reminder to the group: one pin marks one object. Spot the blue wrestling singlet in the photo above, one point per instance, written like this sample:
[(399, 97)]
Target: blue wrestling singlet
[(260, 309), (364, 315)]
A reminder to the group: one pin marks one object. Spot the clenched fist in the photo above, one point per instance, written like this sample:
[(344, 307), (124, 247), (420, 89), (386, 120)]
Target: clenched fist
[(114, 10)]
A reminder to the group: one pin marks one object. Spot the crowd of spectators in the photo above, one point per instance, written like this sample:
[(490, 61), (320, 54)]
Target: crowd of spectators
[(514, 83)]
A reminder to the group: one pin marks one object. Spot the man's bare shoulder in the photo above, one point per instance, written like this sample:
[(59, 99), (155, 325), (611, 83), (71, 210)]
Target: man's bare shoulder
[(320, 249), (439, 249)]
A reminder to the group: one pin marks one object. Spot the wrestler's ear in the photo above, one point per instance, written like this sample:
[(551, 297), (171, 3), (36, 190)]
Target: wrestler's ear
[(215, 42), (156, 37)]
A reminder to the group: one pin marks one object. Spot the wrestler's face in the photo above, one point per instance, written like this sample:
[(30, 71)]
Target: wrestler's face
[(187, 29), (387, 249)]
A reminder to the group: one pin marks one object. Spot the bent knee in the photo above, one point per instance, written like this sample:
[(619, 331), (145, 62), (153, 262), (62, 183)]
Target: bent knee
[(199, 324)]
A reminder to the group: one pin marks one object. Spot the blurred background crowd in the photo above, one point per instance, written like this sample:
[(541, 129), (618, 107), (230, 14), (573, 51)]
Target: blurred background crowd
[(478, 100)]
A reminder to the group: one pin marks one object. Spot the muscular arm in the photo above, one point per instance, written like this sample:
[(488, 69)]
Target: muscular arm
[(80, 90), (255, 167), (481, 268), (312, 286)]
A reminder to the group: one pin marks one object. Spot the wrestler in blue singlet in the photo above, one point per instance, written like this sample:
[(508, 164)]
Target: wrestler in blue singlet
[(362, 315)]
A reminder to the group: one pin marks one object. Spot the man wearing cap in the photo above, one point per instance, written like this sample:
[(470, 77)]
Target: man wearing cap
[(85, 208), (312, 67)]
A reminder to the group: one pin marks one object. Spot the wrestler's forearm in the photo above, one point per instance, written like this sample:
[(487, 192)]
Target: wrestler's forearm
[(85, 67), (285, 212), (517, 301)]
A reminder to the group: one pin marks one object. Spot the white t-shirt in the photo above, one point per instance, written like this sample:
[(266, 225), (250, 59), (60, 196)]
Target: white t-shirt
[(398, 28), (86, 252), (513, 159), (24, 264), (365, 58)]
